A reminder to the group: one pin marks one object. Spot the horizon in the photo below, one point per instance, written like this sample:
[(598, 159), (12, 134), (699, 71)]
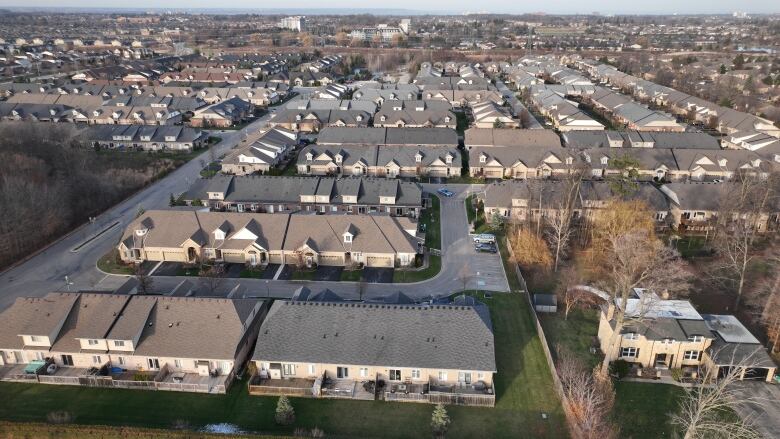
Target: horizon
[(493, 8)]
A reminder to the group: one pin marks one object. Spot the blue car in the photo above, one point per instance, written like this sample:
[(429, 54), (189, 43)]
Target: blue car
[(445, 192)]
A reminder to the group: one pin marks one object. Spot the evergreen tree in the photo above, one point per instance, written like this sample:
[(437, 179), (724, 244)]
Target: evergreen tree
[(440, 420), (285, 414)]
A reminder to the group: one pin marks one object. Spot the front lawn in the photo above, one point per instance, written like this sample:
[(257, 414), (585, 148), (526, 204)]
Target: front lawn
[(252, 273), (303, 274), (429, 218), (406, 276), (351, 275), (643, 409), (110, 263), (523, 392)]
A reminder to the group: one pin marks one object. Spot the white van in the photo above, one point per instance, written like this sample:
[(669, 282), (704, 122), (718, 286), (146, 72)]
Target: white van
[(485, 238)]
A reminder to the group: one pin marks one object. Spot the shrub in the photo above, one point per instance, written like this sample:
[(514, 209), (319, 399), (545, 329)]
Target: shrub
[(620, 368), (59, 417)]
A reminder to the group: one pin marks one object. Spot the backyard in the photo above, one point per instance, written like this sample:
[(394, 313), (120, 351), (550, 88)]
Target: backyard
[(523, 386)]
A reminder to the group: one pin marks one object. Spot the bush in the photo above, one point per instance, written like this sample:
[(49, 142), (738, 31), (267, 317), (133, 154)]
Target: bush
[(59, 417), (677, 374), (620, 368)]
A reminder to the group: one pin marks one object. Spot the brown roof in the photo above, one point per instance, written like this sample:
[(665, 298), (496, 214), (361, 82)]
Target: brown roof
[(510, 137)]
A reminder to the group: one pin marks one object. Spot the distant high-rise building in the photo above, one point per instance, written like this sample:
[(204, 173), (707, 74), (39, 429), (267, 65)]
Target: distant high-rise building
[(297, 23)]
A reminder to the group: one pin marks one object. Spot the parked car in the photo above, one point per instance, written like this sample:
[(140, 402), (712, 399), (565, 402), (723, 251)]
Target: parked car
[(485, 238), (445, 192), (486, 248)]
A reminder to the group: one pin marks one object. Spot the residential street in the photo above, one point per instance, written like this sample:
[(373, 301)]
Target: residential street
[(46, 271), (764, 413)]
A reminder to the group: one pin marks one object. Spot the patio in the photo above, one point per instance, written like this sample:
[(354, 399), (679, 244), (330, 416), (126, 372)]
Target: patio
[(338, 388), (302, 387), (15, 372)]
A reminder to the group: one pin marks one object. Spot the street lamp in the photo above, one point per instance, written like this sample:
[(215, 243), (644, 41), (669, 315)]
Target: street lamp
[(267, 290), (68, 283)]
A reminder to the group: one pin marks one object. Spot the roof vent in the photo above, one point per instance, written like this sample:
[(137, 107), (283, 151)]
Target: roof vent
[(170, 325)]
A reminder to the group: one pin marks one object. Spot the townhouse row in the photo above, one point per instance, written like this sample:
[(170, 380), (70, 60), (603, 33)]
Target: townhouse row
[(304, 348)]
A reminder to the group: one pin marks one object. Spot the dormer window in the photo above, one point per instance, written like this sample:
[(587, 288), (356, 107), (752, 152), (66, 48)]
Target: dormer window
[(92, 342), (447, 119), (696, 338), (630, 336), (604, 161), (482, 158), (347, 238), (359, 118), (722, 162), (418, 157), (569, 160), (219, 235), (141, 232), (448, 158), (338, 158), (298, 117), (309, 156)]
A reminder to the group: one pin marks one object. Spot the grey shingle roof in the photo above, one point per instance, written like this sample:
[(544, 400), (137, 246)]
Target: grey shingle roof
[(437, 337)]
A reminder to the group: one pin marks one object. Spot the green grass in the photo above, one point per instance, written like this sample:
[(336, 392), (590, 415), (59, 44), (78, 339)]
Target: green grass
[(523, 385), (461, 122), (693, 246), (471, 211), (430, 217), (60, 431), (514, 282), (642, 409), (110, 263), (184, 270), (303, 274), (574, 334), (351, 275), (251, 273), (405, 276)]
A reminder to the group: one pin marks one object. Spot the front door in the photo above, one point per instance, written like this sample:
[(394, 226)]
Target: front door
[(661, 360), (252, 259)]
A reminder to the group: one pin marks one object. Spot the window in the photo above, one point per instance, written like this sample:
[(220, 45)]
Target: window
[(342, 372), (288, 369), (96, 359), (442, 376), (35, 338), (416, 374), (480, 376), (92, 342), (347, 238), (667, 341), (119, 343), (67, 360), (482, 159), (395, 375), (311, 369), (363, 372), (692, 355), (630, 336), (629, 352), (696, 338), (153, 363), (177, 363), (121, 361)]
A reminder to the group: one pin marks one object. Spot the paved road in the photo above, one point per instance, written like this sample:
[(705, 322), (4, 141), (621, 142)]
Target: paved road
[(483, 270), (46, 271), (765, 412)]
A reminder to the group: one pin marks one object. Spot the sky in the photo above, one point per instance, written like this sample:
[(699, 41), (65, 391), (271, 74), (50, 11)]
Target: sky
[(444, 6)]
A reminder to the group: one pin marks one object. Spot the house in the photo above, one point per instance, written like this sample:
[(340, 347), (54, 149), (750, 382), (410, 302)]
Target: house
[(146, 138), (264, 153), (415, 114), (695, 207), (380, 161), (106, 340), (312, 121), (735, 346), (639, 139), (445, 137), (257, 239), (418, 353), (490, 114), (520, 201), (351, 195), (659, 333), (222, 114)]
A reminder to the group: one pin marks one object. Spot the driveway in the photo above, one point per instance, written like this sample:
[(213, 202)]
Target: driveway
[(765, 413), (378, 275), (168, 269)]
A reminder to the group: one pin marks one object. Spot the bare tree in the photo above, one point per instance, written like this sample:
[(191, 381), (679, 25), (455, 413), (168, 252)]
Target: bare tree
[(559, 228), (739, 222), (464, 275), (212, 277), (144, 280), (569, 295), (705, 410), (588, 399)]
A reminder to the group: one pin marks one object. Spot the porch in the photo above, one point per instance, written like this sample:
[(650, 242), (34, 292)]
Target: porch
[(15, 372)]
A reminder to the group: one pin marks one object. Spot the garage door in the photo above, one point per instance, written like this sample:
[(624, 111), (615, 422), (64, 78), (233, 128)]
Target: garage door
[(331, 260), (379, 261), (173, 256)]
